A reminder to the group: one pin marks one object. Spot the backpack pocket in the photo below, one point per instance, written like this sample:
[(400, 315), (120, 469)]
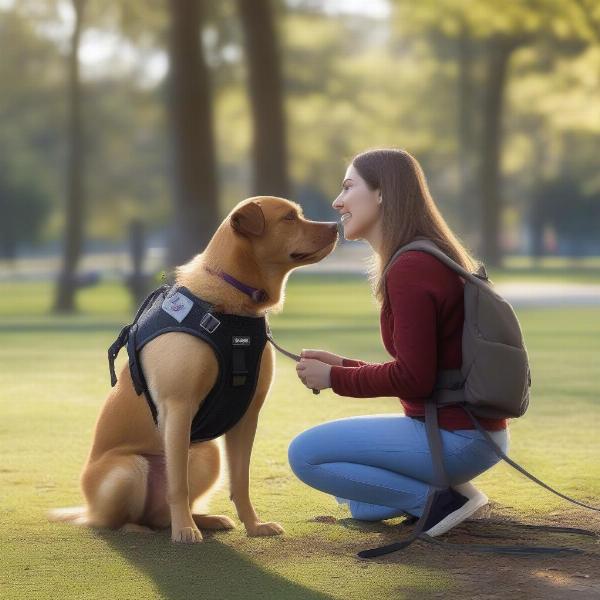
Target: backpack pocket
[(497, 381)]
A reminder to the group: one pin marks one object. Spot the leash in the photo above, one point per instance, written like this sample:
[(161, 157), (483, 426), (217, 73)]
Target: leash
[(257, 296), (440, 492), (289, 354)]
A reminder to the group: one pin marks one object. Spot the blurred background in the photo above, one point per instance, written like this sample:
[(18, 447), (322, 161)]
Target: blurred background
[(128, 130)]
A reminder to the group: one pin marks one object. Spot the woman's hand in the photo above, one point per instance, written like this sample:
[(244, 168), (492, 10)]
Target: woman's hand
[(327, 357), (314, 374)]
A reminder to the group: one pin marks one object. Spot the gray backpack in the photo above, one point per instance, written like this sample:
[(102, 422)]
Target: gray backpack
[(493, 382), (495, 378)]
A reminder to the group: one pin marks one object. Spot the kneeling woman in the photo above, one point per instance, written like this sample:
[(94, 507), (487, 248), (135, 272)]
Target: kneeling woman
[(380, 465)]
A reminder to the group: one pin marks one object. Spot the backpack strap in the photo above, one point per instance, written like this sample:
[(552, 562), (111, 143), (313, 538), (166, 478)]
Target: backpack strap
[(426, 245), (440, 494), (517, 466)]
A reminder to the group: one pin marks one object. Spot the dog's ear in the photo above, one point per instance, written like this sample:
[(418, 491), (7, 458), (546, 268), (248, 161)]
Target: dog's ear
[(249, 219)]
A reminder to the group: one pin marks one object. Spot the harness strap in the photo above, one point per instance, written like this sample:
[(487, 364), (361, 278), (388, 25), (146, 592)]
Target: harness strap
[(114, 350), (238, 366), (123, 336), (137, 377)]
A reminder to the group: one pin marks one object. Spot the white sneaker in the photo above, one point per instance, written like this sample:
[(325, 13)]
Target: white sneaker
[(476, 499)]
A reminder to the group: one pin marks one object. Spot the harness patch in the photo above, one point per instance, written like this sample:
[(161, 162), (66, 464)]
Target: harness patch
[(240, 340), (178, 306)]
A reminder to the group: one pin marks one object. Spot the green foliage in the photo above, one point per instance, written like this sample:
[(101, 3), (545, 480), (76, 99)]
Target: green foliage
[(574, 214), (352, 82), (24, 208)]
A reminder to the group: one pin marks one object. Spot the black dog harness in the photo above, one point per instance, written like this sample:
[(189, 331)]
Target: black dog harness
[(238, 343)]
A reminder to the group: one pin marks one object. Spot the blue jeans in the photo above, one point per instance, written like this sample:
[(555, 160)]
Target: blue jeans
[(381, 464)]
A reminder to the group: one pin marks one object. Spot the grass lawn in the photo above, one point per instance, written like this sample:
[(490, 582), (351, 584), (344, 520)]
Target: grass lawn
[(53, 380)]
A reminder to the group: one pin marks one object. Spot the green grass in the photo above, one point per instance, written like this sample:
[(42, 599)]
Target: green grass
[(552, 269), (54, 378)]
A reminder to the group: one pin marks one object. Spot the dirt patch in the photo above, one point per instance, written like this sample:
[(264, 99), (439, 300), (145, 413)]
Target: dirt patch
[(491, 575)]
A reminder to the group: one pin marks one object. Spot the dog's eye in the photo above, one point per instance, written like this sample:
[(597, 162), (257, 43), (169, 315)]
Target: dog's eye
[(290, 216)]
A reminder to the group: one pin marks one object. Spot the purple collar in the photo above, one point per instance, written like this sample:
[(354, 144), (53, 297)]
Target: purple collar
[(256, 294)]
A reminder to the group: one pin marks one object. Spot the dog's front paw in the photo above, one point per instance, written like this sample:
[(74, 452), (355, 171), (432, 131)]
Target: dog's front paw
[(264, 529), (186, 535)]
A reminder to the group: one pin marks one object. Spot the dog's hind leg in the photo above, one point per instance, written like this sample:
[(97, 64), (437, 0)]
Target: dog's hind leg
[(115, 488)]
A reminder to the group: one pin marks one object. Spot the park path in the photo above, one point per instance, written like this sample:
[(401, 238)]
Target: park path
[(348, 258), (351, 258)]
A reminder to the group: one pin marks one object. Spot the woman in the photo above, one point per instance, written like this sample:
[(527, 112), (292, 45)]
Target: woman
[(380, 465)]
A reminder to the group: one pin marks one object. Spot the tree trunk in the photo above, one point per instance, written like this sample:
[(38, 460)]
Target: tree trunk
[(466, 127), (499, 53), (266, 97), (64, 300), (194, 161)]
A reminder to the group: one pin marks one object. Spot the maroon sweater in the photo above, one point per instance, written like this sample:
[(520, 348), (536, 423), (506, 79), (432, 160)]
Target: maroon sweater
[(421, 328)]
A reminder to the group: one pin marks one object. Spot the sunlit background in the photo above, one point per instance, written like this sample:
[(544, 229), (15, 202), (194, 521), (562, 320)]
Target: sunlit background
[(129, 129), (141, 124)]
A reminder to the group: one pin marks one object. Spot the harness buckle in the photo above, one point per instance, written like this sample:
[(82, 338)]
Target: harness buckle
[(209, 322)]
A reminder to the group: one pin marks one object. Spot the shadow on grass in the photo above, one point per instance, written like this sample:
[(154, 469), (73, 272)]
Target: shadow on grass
[(210, 569), (508, 532)]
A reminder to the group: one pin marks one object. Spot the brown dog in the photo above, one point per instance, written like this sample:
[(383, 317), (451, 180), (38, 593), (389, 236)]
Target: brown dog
[(139, 476)]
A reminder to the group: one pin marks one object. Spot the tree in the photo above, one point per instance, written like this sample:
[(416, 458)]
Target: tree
[(65, 292), (190, 108), (265, 84), (500, 33)]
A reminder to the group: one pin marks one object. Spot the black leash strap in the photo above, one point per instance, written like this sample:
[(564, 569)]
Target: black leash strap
[(440, 476), (517, 466)]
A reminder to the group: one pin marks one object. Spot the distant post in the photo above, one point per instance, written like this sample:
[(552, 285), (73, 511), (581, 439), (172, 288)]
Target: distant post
[(137, 282)]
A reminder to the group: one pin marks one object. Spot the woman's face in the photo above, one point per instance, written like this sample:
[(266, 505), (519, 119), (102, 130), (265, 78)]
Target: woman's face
[(359, 207)]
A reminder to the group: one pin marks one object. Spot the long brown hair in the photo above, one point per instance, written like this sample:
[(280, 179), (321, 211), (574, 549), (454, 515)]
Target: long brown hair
[(408, 211)]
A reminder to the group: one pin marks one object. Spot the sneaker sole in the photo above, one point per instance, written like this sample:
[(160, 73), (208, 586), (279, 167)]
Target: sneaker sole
[(458, 516)]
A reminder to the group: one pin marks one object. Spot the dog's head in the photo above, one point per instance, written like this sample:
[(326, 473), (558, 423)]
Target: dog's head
[(277, 233)]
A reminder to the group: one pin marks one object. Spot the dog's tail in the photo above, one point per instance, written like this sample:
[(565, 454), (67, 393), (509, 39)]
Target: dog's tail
[(77, 515)]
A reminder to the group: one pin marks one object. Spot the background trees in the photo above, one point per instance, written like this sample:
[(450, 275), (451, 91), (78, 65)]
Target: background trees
[(189, 106)]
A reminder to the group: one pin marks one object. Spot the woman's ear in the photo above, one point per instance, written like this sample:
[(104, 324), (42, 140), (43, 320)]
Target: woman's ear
[(249, 219)]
